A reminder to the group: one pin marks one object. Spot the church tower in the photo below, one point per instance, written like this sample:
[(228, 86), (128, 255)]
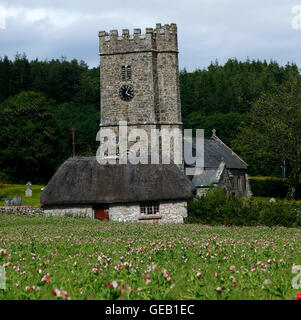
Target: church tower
[(139, 78)]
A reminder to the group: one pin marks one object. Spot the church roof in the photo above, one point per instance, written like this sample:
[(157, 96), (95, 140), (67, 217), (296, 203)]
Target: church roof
[(215, 151), (82, 180), (209, 176)]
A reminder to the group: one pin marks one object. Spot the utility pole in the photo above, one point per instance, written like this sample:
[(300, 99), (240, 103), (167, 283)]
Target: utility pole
[(73, 141)]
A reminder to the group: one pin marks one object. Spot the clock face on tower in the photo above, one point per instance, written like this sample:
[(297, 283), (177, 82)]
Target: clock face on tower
[(126, 92)]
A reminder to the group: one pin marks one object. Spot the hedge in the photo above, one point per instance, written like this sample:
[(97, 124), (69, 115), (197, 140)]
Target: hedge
[(273, 188), (217, 208)]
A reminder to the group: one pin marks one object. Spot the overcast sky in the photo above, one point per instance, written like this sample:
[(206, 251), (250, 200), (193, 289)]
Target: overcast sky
[(208, 29)]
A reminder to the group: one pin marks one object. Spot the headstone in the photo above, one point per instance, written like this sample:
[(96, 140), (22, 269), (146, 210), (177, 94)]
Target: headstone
[(28, 192), (16, 200), (7, 202)]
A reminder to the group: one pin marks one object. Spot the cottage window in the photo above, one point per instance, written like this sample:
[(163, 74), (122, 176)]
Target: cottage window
[(142, 208), (149, 207)]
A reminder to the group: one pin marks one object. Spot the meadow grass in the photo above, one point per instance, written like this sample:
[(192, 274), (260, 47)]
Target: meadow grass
[(61, 258)]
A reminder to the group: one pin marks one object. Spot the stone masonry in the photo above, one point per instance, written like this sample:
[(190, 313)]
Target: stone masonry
[(154, 76)]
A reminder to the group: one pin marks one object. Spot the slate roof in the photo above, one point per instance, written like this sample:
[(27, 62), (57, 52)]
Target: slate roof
[(215, 150), (82, 180), (205, 179)]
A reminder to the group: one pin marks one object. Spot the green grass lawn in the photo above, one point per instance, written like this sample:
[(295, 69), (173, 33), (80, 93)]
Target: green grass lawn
[(267, 199), (9, 190), (60, 258)]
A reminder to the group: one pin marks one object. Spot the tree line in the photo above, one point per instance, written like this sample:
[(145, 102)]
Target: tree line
[(41, 101)]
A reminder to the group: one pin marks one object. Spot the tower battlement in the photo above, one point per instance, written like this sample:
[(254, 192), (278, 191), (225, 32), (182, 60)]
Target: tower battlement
[(162, 38)]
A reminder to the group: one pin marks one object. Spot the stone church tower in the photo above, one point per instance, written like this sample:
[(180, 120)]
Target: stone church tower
[(139, 78), (140, 85)]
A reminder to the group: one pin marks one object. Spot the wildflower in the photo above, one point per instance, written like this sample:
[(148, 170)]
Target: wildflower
[(114, 284), (147, 282), (8, 264), (267, 281), (298, 296), (219, 289), (60, 293), (46, 278)]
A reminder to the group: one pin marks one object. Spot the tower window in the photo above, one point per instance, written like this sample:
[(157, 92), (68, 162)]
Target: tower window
[(123, 75), (126, 73), (129, 72)]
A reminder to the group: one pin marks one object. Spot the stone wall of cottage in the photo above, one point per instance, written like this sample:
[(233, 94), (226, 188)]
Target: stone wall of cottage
[(170, 212), (74, 211)]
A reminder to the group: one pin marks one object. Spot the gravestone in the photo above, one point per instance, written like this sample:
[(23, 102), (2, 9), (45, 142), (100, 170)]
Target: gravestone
[(28, 192), (7, 202), (16, 200)]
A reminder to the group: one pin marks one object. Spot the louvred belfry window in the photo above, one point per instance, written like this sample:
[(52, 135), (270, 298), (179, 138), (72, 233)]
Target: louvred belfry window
[(129, 73), (123, 75)]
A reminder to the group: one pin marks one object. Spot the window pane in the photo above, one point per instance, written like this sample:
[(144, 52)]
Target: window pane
[(142, 208), (149, 208)]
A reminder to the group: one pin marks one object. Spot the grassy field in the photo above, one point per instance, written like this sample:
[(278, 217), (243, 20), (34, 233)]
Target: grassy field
[(9, 190), (61, 258)]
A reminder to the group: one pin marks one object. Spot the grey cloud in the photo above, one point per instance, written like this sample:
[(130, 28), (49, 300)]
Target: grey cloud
[(208, 29)]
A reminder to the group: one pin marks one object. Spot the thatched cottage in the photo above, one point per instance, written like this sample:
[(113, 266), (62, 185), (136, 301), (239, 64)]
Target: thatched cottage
[(83, 187)]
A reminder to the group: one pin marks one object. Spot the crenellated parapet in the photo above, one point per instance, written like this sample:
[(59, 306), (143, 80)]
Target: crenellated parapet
[(160, 39)]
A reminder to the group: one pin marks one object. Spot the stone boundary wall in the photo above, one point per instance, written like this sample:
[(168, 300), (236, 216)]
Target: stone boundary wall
[(21, 210)]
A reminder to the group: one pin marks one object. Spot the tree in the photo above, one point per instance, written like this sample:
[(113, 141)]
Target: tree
[(30, 143), (274, 130)]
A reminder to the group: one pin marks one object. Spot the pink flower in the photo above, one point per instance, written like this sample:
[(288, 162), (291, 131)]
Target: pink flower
[(46, 278), (8, 264), (60, 293), (219, 289)]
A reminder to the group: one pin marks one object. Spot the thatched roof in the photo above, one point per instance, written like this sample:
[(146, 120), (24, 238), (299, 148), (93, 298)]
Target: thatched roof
[(82, 180)]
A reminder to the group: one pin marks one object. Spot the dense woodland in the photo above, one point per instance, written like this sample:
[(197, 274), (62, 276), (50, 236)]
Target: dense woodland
[(41, 101)]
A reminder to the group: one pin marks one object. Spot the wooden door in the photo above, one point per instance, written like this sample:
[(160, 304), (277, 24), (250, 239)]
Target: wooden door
[(101, 213)]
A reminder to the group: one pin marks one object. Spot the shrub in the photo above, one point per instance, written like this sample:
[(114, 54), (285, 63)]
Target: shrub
[(217, 207)]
